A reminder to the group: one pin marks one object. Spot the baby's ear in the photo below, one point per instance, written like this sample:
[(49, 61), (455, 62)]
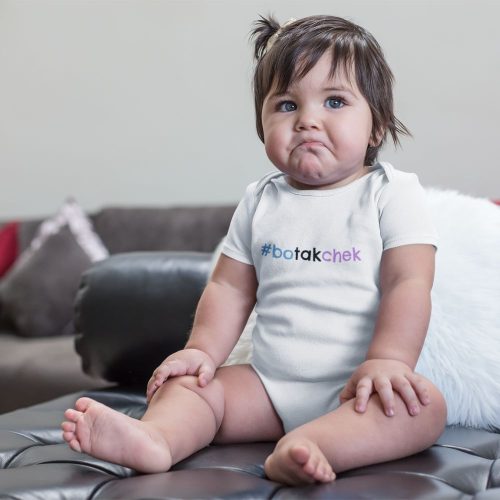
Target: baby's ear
[(377, 137)]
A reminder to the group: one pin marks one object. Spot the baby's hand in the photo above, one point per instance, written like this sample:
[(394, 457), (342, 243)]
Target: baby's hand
[(185, 362), (384, 376)]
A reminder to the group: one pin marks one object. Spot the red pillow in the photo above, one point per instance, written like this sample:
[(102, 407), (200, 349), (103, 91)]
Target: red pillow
[(8, 246)]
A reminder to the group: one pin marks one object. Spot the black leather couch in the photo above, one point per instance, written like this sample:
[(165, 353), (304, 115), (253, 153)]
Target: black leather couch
[(133, 310)]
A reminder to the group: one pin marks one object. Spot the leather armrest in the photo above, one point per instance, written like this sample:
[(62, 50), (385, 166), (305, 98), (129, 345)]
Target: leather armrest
[(134, 309)]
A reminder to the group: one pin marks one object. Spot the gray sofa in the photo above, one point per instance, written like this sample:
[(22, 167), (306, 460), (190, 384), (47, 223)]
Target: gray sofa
[(132, 310), (36, 368)]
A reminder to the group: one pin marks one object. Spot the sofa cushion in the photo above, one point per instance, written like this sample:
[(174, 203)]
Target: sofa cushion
[(38, 369), (37, 294)]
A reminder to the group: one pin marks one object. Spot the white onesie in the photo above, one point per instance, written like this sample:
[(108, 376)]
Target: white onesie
[(317, 255)]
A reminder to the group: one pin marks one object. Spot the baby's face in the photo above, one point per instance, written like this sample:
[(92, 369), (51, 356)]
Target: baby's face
[(318, 131)]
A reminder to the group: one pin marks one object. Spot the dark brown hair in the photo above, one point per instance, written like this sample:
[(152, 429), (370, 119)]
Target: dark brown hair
[(298, 46)]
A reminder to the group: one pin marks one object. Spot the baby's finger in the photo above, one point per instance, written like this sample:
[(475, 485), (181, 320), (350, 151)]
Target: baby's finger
[(363, 392), (155, 382), (385, 391), (421, 388), (162, 372), (348, 392), (151, 389), (407, 393), (160, 375), (151, 385), (205, 374), (171, 368)]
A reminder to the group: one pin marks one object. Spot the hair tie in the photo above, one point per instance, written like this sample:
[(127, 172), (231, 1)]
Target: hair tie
[(274, 37)]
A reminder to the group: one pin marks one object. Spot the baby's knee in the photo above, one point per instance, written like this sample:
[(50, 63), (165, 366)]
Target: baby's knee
[(431, 417), (213, 389), (437, 409), (212, 393)]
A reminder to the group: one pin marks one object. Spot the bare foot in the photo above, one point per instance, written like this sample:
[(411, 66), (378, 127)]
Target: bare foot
[(298, 461), (109, 435)]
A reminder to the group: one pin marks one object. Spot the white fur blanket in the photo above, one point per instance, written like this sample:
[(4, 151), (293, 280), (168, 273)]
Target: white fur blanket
[(461, 354)]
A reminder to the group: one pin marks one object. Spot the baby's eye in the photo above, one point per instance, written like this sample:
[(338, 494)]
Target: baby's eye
[(335, 102), (286, 106)]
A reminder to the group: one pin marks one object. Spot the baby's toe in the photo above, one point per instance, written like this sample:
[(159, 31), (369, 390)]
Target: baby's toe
[(68, 436), (68, 426), (321, 473), (326, 474), (312, 466), (300, 455), (82, 404), (74, 444), (72, 415)]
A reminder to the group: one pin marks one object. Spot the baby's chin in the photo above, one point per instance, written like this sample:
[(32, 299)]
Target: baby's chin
[(318, 182), (312, 174), (307, 183)]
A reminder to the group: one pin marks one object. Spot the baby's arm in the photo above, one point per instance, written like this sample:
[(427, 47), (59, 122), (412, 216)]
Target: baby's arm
[(221, 315), (406, 277)]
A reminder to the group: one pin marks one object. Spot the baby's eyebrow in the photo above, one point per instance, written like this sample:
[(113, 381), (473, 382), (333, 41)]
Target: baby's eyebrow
[(276, 95), (338, 88)]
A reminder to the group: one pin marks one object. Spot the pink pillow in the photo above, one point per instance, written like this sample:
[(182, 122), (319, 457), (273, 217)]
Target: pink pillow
[(9, 248)]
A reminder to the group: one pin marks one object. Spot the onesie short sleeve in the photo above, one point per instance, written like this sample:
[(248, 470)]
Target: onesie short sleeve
[(237, 244), (403, 212)]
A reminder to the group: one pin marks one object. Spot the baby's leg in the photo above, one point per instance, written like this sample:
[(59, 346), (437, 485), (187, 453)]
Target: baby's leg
[(181, 418), (346, 439), (249, 414)]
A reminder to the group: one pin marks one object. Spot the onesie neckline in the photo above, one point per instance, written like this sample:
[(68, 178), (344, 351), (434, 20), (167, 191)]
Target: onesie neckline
[(329, 192)]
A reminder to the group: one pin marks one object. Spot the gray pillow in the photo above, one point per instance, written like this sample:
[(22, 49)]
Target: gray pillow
[(37, 294)]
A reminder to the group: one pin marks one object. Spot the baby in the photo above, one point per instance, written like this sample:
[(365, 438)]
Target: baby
[(336, 253)]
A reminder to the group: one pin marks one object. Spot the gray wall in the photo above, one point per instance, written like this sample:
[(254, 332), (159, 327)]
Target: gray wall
[(148, 102)]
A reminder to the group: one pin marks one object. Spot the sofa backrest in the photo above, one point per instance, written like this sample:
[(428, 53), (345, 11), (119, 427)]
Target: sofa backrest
[(123, 229)]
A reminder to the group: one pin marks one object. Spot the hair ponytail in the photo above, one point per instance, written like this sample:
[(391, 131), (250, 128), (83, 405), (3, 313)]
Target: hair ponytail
[(264, 29)]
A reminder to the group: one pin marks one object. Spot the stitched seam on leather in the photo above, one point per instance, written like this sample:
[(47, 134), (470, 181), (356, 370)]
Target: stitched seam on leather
[(464, 450), (490, 474), (37, 440), (83, 464), (413, 473), (430, 476), (98, 488), (18, 452), (277, 490), (225, 467)]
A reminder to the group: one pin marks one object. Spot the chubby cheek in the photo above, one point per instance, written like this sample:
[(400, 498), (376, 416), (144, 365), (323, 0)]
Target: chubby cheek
[(272, 153), (275, 147), (352, 139)]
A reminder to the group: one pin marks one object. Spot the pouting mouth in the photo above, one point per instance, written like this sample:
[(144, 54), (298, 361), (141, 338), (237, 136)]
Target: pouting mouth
[(310, 143)]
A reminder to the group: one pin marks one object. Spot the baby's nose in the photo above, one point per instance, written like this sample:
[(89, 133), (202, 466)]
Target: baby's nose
[(307, 120)]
